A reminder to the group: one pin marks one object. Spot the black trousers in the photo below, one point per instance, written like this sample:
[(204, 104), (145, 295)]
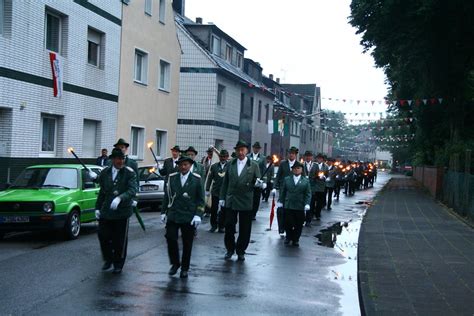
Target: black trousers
[(256, 200), (217, 219), (329, 192), (281, 220), (113, 238), (267, 191), (245, 229), (294, 220), (319, 200), (337, 189), (312, 209), (187, 234)]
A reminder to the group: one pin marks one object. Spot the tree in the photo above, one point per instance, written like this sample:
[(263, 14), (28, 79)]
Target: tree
[(425, 48)]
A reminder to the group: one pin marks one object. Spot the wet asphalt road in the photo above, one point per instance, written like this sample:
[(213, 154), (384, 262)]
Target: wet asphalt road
[(40, 274)]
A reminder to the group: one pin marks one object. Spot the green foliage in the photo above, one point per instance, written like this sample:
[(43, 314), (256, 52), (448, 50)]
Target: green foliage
[(425, 48)]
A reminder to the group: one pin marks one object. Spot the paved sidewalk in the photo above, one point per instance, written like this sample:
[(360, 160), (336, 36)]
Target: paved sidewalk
[(415, 258)]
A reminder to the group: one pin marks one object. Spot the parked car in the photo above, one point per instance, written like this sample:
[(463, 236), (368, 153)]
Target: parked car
[(49, 197), (151, 191)]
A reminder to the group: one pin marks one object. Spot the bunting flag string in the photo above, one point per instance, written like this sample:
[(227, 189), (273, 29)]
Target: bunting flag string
[(401, 102)]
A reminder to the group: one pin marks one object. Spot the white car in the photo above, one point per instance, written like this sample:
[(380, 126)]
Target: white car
[(151, 191)]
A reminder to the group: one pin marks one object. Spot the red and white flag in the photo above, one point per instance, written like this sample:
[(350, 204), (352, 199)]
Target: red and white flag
[(57, 70)]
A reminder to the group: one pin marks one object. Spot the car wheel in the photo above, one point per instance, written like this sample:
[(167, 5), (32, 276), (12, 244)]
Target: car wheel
[(155, 207), (73, 225)]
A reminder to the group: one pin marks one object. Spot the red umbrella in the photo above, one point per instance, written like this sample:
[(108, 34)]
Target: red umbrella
[(272, 212)]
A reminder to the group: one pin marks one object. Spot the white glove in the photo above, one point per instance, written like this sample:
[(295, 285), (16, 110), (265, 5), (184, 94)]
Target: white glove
[(321, 177), (134, 203), (97, 214), (208, 193), (264, 186), (219, 209), (274, 191), (258, 183), (196, 221), (92, 174), (158, 166), (163, 218), (221, 203), (279, 204), (307, 208), (115, 203)]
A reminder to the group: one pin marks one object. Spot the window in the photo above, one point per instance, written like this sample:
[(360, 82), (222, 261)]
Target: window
[(219, 143), (137, 142), (265, 148), (220, 95), (161, 143), (216, 45), (251, 106), (141, 66), (228, 53), (49, 130), (94, 47), (53, 32), (239, 59), (267, 113), (259, 117), (242, 102), (164, 75), (89, 139), (162, 11), (148, 7)]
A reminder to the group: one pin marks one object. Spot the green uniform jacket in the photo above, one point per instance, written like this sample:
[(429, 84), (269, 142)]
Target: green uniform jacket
[(237, 191), (295, 197), (317, 184), (125, 186), (200, 170), (270, 173), (305, 169), (261, 161), (283, 172), (181, 203), (215, 177), (168, 168), (331, 177)]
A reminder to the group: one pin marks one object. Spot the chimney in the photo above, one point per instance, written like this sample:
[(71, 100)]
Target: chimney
[(278, 80), (178, 6), (199, 20), (270, 76)]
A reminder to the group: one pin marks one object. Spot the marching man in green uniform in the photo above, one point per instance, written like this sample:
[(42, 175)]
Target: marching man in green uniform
[(284, 170), (236, 195), (170, 164), (215, 178), (317, 178), (183, 207), (295, 196), (118, 187), (259, 158)]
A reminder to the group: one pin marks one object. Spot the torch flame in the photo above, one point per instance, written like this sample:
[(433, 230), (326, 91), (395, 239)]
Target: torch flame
[(152, 170), (275, 159), (149, 145), (70, 149), (321, 174), (348, 168)]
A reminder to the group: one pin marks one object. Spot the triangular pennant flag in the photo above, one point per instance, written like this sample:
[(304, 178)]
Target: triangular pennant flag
[(409, 102), (418, 101), (358, 101), (425, 101), (440, 100), (433, 101), (372, 102)]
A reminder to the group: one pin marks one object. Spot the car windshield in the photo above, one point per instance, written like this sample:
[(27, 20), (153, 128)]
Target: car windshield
[(145, 174), (47, 178)]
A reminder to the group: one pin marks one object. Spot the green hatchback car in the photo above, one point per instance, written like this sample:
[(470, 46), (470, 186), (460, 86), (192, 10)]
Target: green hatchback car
[(49, 197)]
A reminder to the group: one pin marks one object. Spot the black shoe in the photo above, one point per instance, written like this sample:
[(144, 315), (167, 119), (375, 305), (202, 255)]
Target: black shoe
[(183, 274), (307, 224), (107, 265), (228, 255), (174, 268), (329, 208), (287, 241), (296, 243), (254, 219), (221, 230), (117, 270), (318, 218), (213, 229), (241, 257)]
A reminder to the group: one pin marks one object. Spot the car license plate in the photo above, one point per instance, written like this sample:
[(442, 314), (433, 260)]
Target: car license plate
[(14, 219), (150, 188)]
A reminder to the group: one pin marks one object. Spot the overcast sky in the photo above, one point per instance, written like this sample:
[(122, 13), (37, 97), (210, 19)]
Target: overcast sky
[(301, 41)]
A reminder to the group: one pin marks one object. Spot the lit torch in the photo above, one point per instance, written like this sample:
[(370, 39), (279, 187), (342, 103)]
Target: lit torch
[(71, 151), (274, 160), (150, 146)]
